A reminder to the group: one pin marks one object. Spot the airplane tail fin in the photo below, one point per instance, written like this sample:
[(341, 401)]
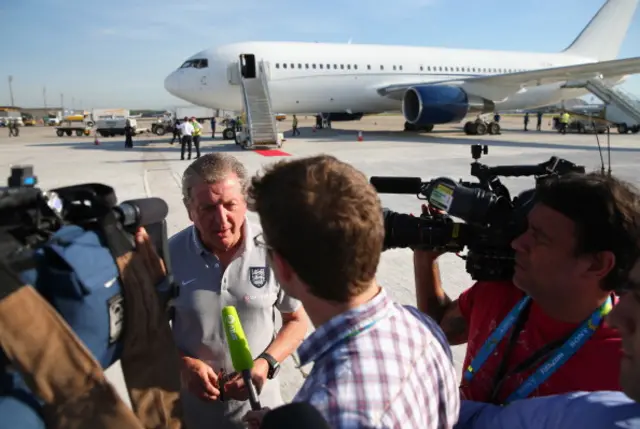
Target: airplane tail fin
[(602, 38)]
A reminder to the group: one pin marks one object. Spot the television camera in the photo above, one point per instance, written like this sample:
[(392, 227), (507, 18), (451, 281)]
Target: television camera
[(492, 219), (61, 242)]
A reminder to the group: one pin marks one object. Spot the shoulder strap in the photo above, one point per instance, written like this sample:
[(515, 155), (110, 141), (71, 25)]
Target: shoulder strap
[(150, 359)]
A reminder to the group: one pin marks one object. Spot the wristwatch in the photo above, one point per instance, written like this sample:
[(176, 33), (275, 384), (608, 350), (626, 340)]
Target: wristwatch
[(274, 365)]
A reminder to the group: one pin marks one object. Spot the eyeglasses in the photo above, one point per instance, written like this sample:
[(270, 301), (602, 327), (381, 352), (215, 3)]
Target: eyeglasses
[(260, 241)]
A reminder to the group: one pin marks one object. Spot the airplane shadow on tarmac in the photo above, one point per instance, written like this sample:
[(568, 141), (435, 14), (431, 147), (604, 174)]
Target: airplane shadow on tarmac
[(336, 135), (443, 137), (159, 145)]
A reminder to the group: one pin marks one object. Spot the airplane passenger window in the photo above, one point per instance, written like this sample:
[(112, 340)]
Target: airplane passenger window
[(299, 65), (349, 66), (284, 66), (320, 65), (381, 67), (355, 66), (335, 66), (341, 66), (293, 66), (368, 66), (394, 67), (313, 65), (306, 66), (446, 69), (400, 67), (277, 65)]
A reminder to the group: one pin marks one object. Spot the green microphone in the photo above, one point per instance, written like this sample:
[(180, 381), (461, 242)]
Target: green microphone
[(239, 350)]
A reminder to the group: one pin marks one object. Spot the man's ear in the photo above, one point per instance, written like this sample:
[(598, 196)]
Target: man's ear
[(282, 267), (602, 263)]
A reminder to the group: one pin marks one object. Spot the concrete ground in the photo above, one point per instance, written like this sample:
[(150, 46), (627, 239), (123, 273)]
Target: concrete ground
[(153, 168)]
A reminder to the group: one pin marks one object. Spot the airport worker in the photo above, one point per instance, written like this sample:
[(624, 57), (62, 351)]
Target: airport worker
[(587, 410), (213, 127), (564, 122), (526, 121), (539, 123), (176, 131), (294, 127), (217, 262), (186, 133), (128, 134), (197, 134), (376, 363), (579, 245)]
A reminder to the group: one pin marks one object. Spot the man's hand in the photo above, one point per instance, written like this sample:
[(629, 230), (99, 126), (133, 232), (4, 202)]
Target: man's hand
[(200, 379), (235, 387), (254, 418)]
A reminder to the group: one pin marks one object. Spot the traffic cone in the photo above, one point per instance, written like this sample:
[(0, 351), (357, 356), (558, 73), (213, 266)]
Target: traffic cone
[(360, 136)]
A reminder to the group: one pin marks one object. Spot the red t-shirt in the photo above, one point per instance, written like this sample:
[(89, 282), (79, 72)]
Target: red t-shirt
[(595, 366)]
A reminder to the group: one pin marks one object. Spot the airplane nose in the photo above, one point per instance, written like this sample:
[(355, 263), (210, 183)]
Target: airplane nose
[(171, 84)]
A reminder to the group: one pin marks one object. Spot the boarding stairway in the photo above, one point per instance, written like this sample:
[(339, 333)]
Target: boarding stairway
[(622, 108), (261, 127)]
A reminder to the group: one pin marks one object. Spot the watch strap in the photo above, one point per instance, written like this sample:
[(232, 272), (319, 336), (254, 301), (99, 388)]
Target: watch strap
[(273, 363)]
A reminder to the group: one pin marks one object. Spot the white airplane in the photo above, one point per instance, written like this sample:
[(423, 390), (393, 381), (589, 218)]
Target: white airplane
[(429, 85)]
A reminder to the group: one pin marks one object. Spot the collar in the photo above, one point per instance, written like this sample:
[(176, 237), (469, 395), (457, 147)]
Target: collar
[(246, 233), (343, 326)]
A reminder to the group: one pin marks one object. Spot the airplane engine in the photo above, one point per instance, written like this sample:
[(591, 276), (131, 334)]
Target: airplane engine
[(342, 116), (434, 104)]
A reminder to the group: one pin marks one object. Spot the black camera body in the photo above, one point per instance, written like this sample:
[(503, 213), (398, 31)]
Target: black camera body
[(492, 219)]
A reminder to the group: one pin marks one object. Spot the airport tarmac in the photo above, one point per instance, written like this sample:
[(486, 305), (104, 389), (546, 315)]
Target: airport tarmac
[(153, 168)]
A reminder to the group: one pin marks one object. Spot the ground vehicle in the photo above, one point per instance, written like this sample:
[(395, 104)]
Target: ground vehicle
[(582, 125), (67, 127), (110, 126)]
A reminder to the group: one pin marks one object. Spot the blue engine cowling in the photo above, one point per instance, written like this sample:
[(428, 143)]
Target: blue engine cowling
[(435, 104)]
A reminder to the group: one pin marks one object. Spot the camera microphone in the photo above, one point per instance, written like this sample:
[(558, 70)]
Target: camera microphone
[(396, 185)]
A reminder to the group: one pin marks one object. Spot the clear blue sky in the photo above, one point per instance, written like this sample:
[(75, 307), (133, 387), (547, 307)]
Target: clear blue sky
[(116, 53)]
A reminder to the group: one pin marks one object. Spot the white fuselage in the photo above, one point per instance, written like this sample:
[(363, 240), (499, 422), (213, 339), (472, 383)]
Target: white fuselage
[(322, 77)]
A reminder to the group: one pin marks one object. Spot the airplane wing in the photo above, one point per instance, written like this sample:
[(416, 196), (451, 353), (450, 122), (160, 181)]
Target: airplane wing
[(500, 87)]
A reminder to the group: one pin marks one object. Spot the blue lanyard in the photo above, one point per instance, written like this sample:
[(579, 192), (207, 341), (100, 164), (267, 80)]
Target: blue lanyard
[(568, 349)]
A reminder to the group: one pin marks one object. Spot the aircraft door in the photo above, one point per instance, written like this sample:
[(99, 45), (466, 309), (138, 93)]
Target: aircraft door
[(248, 66)]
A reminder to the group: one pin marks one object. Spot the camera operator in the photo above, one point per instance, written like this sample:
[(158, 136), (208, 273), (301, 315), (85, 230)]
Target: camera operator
[(580, 244), (376, 363), (597, 410)]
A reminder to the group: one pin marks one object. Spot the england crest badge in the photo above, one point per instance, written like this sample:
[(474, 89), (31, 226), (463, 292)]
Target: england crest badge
[(258, 276)]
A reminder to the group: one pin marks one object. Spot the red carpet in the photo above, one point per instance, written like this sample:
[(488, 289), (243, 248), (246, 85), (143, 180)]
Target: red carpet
[(272, 152)]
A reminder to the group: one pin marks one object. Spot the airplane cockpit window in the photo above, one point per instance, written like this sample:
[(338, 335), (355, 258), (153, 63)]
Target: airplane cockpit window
[(198, 63)]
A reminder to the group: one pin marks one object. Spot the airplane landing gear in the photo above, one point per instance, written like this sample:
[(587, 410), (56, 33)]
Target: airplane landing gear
[(420, 128), (479, 128)]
